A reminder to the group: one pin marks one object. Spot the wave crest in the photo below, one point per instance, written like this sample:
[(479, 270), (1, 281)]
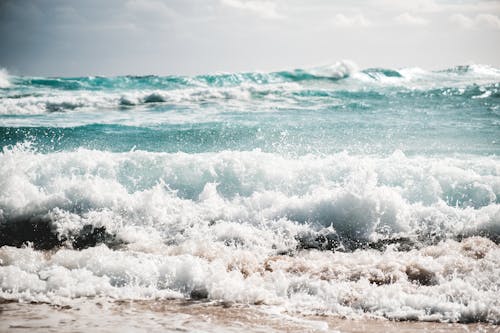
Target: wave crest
[(363, 199)]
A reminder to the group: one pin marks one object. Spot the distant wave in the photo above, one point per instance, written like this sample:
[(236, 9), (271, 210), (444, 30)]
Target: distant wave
[(40, 102), (29, 95), (336, 71)]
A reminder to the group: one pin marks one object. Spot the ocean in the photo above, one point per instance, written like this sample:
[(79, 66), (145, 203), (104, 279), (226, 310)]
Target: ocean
[(328, 191)]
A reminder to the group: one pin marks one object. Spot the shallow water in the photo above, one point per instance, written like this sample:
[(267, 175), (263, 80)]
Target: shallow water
[(175, 316)]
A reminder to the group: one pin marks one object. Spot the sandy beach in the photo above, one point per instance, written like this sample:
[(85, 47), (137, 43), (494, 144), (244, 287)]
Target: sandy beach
[(188, 316)]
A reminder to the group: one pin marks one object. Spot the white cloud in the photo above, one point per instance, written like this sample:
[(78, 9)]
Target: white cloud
[(409, 19), (436, 6), (462, 21), (357, 20), (262, 8), (151, 8), (411, 6), (476, 22), (488, 20)]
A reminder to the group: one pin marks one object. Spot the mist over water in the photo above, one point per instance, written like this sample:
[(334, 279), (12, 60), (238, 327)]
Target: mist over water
[(330, 190)]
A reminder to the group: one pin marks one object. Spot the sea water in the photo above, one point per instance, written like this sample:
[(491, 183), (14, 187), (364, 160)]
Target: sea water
[(327, 191)]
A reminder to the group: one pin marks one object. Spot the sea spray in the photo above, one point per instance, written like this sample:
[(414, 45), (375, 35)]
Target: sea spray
[(4, 78)]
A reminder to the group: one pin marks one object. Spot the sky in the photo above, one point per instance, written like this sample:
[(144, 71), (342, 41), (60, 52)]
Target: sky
[(186, 37)]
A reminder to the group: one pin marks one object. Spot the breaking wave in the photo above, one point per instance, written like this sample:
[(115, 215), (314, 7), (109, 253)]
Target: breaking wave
[(286, 88), (362, 199)]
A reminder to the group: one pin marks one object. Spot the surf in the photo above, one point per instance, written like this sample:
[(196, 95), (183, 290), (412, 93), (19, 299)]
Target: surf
[(330, 190)]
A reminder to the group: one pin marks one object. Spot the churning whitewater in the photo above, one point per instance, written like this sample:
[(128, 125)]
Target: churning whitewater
[(329, 190)]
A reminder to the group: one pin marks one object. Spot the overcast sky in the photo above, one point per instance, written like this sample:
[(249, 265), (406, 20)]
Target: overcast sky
[(112, 37)]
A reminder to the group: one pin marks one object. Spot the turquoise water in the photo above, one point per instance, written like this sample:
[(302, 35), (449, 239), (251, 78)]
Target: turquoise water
[(319, 190), (374, 111)]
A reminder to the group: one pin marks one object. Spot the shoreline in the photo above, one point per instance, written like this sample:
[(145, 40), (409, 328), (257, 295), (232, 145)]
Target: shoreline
[(100, 315)]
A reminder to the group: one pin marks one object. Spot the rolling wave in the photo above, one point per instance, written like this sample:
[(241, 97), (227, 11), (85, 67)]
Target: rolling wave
[(345, 70), (270, 96), (361, 198)]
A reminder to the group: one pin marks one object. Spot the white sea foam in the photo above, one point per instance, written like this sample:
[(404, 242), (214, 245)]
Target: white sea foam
[(421, 79), (361, 198), (273, 92), (484, 70), (338, 70), (449, 282), (215, 224), (139, 100)]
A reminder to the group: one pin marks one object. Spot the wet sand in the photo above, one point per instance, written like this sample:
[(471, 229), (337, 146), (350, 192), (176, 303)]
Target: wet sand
[(189, 316)]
